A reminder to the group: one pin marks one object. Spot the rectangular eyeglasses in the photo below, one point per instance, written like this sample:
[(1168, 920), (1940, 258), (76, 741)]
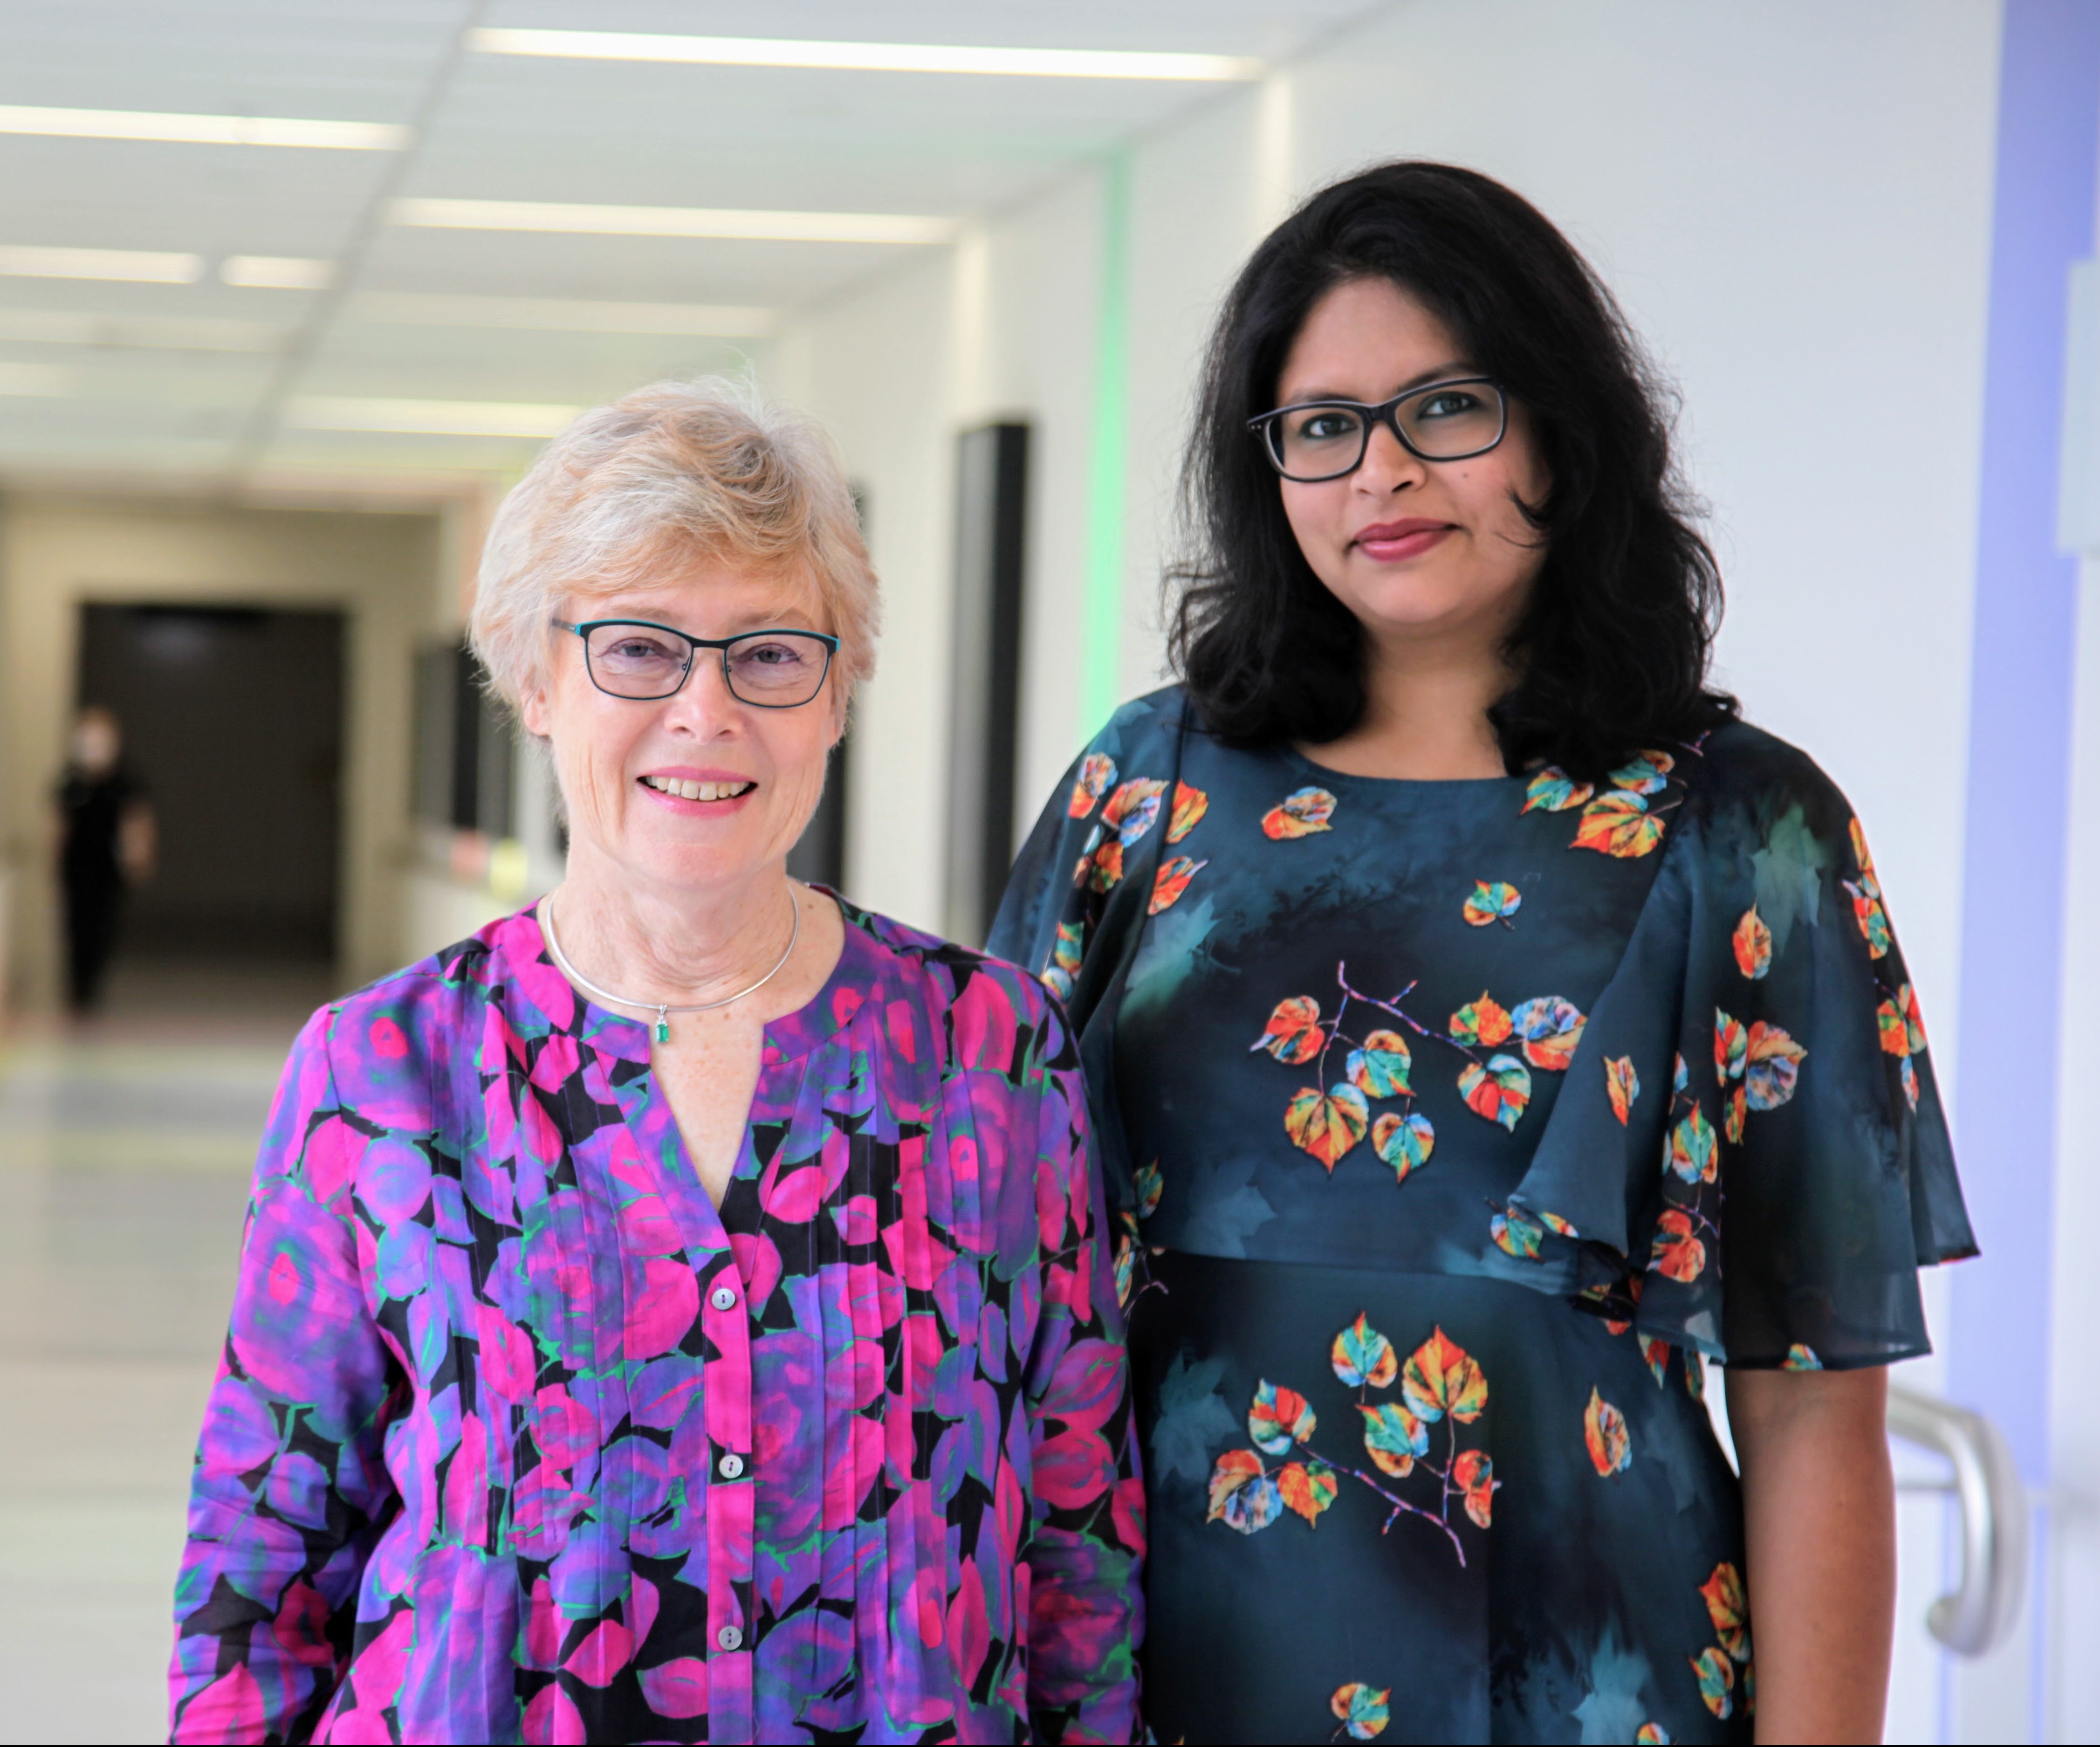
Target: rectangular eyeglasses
[(1326, 439), (770, 670)]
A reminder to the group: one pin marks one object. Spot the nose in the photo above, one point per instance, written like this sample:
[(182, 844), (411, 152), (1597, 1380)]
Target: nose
[(704, 706), (1389, 463)]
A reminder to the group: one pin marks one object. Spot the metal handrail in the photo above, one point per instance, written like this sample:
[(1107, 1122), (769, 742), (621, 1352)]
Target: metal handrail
[(1980, 1612)]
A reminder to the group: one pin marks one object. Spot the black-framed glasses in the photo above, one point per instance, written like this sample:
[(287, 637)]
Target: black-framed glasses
[(1326, 439), (771, 670)]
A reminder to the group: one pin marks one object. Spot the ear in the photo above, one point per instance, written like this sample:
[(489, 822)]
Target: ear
[(535, 711)]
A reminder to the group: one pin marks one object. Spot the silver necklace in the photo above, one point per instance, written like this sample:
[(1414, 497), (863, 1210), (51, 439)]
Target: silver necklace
[(661, 1029)]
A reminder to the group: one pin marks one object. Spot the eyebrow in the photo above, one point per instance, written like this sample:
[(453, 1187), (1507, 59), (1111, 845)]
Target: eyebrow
[(782, 618), (1443, 373)]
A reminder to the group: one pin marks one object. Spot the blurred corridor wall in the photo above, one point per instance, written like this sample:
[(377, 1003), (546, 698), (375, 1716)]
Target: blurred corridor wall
[(381, 570), (1794, 203)]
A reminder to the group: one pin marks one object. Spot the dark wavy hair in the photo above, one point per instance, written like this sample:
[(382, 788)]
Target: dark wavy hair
[(1613, 648)]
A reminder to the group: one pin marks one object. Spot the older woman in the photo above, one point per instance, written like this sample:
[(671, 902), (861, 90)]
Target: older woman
[(677, 1312)]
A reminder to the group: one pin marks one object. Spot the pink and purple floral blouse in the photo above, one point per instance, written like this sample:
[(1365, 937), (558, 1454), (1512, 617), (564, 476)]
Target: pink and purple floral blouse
[(516, 1437)]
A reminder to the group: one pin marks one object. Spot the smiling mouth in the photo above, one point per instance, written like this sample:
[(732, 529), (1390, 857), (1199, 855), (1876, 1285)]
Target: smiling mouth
[(684, 790)]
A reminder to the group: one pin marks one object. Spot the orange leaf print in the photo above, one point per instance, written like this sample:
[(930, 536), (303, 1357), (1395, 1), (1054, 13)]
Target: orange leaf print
[(1775, 1061), (1618, 824), (1622, 1086), (1645, 775), (1499, 1092), (1678, 1255), (1717, 1679), (1133, 808), (1752, 942), (1442, 1377), (1279, 1418), (1473, 1473), (1860, 849), (1605, 1431), (1493, 900), (1191, 804), (1293, 1034), (1729, 1608), (1483, 1021), (1913, 1018), (1327, 1124), (1895, 1035), (1552, 790), (1734, 1117), (1107, 865), (1302, 812), (1308, 1488), (1172, 882), (1096, 771), (1235, 1469), (1656, 1352)]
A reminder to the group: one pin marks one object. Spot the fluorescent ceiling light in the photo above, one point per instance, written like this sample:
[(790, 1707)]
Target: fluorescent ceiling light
[(34, 379), (202, 129), (574, 315), (135, 264), (674, 221), (437, 418), (163, 333), (277, 273), (864, 57)]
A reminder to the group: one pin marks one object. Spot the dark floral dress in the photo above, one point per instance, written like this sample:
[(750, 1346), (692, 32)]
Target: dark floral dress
[(1459, 1124)]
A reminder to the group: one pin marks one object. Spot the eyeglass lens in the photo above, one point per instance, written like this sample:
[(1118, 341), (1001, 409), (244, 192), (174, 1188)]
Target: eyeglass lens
[(777, 668), (1446, 423)]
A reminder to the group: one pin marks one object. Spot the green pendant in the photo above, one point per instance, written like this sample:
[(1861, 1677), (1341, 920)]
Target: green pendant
[(663, 1029)]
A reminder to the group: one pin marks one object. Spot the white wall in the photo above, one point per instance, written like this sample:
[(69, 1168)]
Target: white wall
[(1794, 202)]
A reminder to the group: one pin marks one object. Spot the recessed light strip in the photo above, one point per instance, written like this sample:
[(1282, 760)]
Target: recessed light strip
[(202, 129), (560, 315), (198, 333), (674, 221), (37, 379), (433, 418), (277, 273), (864, 57), (139, 266)]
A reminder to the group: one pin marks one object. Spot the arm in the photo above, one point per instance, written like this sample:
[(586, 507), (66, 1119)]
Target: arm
[(1085, 1542), (1819, 1519), (288, 1475), (138, 842)]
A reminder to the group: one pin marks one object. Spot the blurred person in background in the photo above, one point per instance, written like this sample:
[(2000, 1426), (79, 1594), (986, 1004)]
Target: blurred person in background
[(107, 841), (678, 1311), (1488, 1028)]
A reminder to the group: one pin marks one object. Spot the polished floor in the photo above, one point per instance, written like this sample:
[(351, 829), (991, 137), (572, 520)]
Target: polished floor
[(126, 1147)]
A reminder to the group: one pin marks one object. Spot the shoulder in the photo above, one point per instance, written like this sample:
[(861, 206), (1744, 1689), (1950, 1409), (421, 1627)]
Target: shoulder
[(1755, 778), (1144, 726), (387, 1044), (983, 999)]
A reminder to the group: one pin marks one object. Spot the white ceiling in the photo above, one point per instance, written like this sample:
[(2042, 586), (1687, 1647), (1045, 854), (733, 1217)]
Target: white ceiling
[(208, 382)]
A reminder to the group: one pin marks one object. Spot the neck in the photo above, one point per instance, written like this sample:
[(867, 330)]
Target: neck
[(650, 943), (1426, 710)]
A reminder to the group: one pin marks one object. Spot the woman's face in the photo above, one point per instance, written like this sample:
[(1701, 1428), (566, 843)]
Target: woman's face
[(1416, 550), (621, 762)]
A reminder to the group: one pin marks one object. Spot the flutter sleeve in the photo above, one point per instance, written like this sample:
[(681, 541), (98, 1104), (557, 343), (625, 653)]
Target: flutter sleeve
[(288, 1478), (1753, 1138)]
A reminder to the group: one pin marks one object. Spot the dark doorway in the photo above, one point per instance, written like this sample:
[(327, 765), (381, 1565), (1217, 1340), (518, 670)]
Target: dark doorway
[(232, 722)]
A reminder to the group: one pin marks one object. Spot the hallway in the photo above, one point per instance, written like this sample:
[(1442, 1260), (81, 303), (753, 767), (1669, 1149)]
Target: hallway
[(124, 1155)]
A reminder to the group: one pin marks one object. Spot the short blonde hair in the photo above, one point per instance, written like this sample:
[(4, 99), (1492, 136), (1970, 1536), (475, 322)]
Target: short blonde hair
[(671, 473)]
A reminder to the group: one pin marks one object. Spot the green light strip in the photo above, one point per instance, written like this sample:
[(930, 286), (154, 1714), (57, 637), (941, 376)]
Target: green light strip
[(1100, 680)]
